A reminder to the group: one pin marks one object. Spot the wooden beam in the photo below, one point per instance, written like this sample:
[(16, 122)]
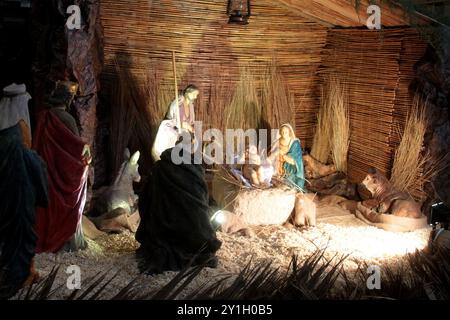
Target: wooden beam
[(343, 12), (300, 8)]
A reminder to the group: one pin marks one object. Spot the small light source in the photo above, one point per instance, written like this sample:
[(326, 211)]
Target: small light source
[(238, 11), (218, 217)]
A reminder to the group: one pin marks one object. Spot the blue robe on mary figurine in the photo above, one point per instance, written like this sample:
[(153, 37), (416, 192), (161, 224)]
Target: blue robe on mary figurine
[(294, 173), (289, 165)]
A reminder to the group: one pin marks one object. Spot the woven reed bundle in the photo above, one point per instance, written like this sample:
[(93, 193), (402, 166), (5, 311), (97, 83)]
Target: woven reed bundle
[(367, 61), (413, 48), (210, 53), (409, 158), (345, 13), (141, 34)]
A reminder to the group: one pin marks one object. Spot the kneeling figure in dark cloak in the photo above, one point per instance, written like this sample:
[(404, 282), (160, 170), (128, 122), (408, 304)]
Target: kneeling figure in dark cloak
[(175, 227)]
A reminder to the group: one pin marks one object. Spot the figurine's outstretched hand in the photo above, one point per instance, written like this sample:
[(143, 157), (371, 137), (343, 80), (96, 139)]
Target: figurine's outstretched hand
[(86, 154)]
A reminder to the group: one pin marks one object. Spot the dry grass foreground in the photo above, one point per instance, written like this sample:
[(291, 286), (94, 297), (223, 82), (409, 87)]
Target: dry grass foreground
[(327, 262)]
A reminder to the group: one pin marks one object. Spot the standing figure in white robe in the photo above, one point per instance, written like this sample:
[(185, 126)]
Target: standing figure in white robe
[(180, 117)]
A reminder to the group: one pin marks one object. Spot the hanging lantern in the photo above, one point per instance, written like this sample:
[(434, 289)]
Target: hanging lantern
[(238, 11)]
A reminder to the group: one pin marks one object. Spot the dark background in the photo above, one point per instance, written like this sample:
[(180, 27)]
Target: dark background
[(15, 42)]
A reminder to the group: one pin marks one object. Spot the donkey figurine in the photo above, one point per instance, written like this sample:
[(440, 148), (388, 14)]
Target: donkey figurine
[(114, 209)]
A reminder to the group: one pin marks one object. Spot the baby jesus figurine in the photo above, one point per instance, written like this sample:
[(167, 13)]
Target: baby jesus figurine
[(259, 173)]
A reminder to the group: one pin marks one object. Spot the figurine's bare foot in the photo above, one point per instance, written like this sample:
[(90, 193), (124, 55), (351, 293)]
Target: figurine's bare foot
[(246, 232), (265, 185), (288, 225), (366, 214), (255, 180)]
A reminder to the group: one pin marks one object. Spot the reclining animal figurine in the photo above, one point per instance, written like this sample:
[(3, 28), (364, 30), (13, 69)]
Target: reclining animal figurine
[(257, 171), (115, 207), (389, 208)]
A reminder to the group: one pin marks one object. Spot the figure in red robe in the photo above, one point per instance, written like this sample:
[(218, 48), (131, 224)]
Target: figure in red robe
[(58, 142)]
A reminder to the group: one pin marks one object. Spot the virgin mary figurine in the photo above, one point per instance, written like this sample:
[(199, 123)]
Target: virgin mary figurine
[(289, 160)]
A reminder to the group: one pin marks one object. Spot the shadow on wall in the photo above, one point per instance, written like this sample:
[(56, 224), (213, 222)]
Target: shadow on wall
[(211, 67), (124, 121), (433, 82)]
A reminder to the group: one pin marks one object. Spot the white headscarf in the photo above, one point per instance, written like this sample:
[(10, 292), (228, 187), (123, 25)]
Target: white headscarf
[(275, 145), (14, 106), (291, 131)]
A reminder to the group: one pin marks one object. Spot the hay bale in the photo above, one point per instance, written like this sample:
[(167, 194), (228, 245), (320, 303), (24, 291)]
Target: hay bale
[(264, 207)]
